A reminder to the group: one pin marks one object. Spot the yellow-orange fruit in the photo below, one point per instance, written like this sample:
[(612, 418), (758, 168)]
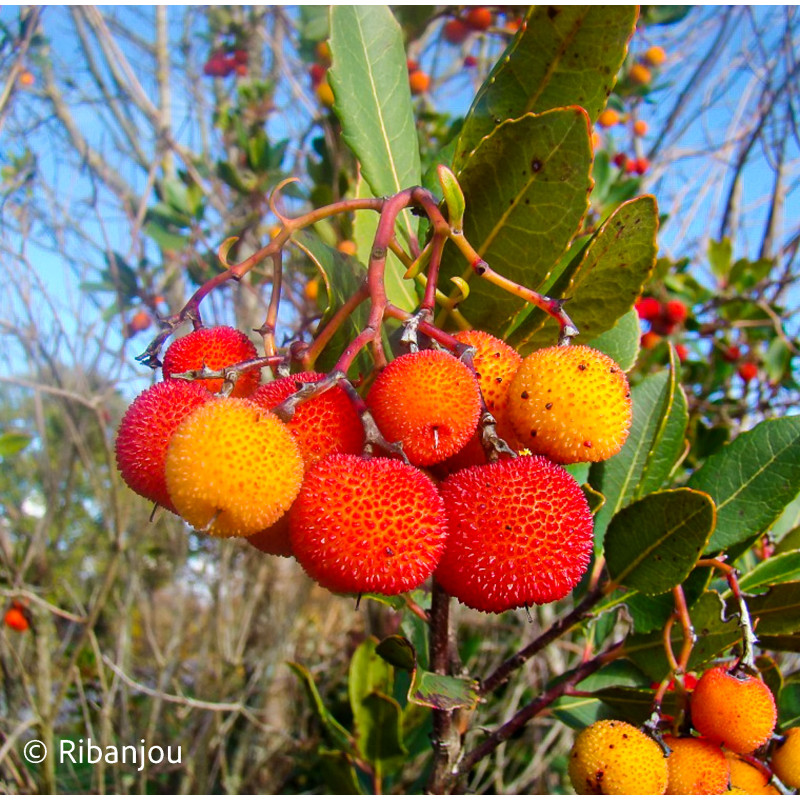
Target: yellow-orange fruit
[(325, 94), (608, 118), (655, 56), (419, 81), (214, 348), (570, 404), (232, 468), (696, 766), (367, 525), (325, 424), (520, 533), (613, 757), (786, 759), (348, 247), (736, 712), (747, 778), (311, 290), (640, 74), (145, 431), (640, 127), (428, 401)]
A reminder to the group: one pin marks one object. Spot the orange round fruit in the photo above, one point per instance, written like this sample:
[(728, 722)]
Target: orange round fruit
[(649, 340), (428, 401), (746, 778), (419, 81), (326, 424), (520, 533), (145, 431), (738, 713), (613, 757), (655, 56), (640, 74), (15, 618), (696, 766), (311, 290), (348, 247), (26, 78), (232, 468), (640, 127), (786, 759), (367, 525), (214, 348), (325, 94), (570, 404), (140, 321), (608, 118)]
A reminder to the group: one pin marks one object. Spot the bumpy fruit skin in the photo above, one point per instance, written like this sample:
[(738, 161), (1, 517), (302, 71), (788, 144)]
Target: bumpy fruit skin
[(428, 401), (613, 757), (520, 533), (367, 525), (746, 778), (786, 759), (696, 766), (145, 431), (324, 425), (214, 348), (570, 404), (737, 713), (275, 540), (232, 468)]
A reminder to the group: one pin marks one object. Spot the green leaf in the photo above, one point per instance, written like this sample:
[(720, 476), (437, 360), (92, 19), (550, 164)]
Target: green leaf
[(605, 283), (340, 775), (714, 636), (342, 276), (781, 568), (655, 444), (380, 735), (789, 704), (163, 238), (719, 257), (567, 55), (176, 196), (368, 673), (444, 692), (12, 443), (635, 704), (751, 480), (398, 651), (520, 218), (622, 341), (653, 544), (369, 78), (337, 734), (778, 611)]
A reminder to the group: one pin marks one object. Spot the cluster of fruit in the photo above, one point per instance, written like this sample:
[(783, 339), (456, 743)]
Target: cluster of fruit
[(318, 73), (734, 716), (289, 464), (474, 20), (221, 64)]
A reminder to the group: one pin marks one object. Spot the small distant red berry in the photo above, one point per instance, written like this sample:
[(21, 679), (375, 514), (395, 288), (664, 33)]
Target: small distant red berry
[(317, 73), (649, 340), (478, 18), (621, 160), (240, 56), (470, 61), (455, 31), (732, 354), (648, 308), (682, 351), (412, 65), (15, 618), (642, 165), (675, 311), (140, 321), (747, 371)]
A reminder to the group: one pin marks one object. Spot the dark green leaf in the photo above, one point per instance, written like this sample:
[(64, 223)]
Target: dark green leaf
[(714, 636), (791, 541), (655, 444), (778, 611), (163, 238), (782, 568), (337, 734), (622, 341), (789, 704), (751, 480), (653, 544), (604, 284), (379, 728), (369, 78), (228, 173), (567, 55), (398, 651), (339, 773), (368, 673), (522, 217)]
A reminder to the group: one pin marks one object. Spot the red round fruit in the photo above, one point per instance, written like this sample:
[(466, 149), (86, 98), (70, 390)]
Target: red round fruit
[(140, 321), (479, 18), (214, 348), (732, 354), (317, 74), (470, 61), (145, 431), (747, 371), (455, 31), (520, 533), (15, 618), (326, 424), (367, 525), (648, 308), (642, 165), (682, 351), (621, 160), (675, 311), (240, 56)]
